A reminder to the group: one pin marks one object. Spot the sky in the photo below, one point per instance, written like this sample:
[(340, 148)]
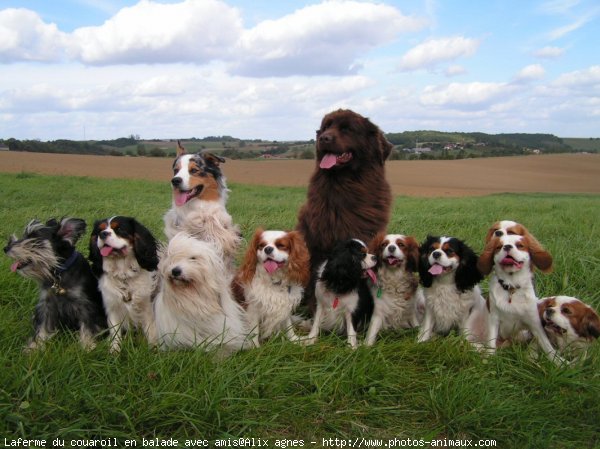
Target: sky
[(270, 69)]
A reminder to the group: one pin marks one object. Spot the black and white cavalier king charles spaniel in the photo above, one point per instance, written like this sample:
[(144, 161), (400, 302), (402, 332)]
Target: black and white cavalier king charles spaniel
[(272, 278), (199, 203), (343, 293), (124, 256), (195, 305), (69, 296), (453, 300), (513, 302), (396, 295), (571, 325)]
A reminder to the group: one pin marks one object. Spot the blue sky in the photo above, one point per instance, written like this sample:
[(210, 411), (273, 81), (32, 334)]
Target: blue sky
[(101, 69)]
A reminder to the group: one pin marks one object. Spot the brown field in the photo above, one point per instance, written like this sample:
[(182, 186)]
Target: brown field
[(562, 173)]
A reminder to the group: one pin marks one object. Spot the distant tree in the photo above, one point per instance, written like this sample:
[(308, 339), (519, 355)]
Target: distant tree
[(141, 149)]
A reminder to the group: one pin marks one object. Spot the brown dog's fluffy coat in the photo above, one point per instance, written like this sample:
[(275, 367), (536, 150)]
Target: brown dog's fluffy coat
[(348, 195)]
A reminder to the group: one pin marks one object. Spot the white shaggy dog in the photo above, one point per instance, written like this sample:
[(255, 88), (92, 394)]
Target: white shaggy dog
[(195, 306)]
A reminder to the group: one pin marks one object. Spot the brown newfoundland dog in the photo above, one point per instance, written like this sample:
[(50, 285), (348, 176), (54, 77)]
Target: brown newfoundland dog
[(348, 195)]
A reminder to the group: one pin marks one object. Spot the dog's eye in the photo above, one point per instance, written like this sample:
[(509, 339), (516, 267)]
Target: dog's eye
[(450, 251), (520, 246), (281, 247), (565, 311), (193, 258), (400, 244)]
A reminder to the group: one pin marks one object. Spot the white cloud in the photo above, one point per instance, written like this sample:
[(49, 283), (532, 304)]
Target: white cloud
[(455, 70), (25, 37), (531, 72), (558, 7), (326, 38), (549, 52), (434, 51), (581, 79), (149, 32), (465, 95)]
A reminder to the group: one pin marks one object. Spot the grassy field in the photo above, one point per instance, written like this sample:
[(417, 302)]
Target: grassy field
[(397, 389)]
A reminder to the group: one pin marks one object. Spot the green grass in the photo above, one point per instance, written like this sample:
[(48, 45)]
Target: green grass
[(397, 389)]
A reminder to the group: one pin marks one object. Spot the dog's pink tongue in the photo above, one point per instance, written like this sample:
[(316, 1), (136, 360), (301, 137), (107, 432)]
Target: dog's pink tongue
[(181, 198), (372, 276), (328, 161), (105, 250), (436, 269), (271, 266), (14, 267)]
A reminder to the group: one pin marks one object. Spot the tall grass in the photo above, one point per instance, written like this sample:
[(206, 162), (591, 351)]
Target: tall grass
[(397, 389)]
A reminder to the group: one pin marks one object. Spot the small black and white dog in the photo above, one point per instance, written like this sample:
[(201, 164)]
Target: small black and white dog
[(124, 256), (69, 296), (450, 279), (344, 299)]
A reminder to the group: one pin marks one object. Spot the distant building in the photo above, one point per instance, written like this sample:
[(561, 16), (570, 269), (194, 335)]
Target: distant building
[(3, 148)]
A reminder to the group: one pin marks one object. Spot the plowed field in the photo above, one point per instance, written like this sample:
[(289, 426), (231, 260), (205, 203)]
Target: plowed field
[(563, 173)]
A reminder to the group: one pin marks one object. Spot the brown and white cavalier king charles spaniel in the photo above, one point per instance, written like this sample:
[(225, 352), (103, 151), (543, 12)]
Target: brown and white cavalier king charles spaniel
[(396, 295), (272, 278), (571, 325)]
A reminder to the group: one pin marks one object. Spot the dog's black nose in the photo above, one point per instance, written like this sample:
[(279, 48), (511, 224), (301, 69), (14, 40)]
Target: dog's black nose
[(436, 254), (391, 249), (104, 234), (549, 312), (176, 272), (176, 181), (507, 247), (268, 249), (6, 249), (499, 233)]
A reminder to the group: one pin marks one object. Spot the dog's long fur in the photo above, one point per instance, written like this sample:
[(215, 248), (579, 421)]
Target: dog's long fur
[(273, 275), (195, 306), (350, 199), (199, 203), (69, 296), (396, 295), (453, 298), (344, 300), (124, 256), (513, 300)]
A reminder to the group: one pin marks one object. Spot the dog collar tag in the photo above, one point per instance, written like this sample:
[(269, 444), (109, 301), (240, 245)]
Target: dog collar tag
[(379, 291), (336, 302)]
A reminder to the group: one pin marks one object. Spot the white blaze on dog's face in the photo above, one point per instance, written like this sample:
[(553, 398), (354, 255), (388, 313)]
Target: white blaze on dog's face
[(511, 253), (443, 257), (273, 250)]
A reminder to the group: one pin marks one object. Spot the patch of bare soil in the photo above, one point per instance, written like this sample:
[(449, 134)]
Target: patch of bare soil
[(560, 173)]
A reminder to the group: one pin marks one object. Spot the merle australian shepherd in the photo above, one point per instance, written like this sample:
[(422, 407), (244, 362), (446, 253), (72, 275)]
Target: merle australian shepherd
[(348, 195)]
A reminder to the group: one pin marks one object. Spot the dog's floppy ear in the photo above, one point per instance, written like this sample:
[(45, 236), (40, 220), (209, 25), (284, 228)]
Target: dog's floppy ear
[(384, 145), (180, 149), (425, 276), (94, 256), (412, 254), (375, 245), (485, 262), (590, 324), (299, 263), (467, 274), (248, 267), (145, 247), (541, 258), (71, 229)]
